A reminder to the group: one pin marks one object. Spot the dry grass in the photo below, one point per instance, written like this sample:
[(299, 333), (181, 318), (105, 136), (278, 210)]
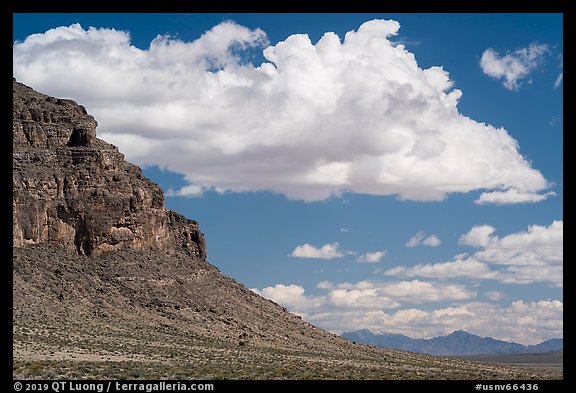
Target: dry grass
[(150, 315)]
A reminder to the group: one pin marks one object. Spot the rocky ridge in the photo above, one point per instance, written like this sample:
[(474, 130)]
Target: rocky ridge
[(75, 190)]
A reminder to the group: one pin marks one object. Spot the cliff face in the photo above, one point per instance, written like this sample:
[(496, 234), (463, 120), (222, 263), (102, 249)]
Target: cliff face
[(74, 189)]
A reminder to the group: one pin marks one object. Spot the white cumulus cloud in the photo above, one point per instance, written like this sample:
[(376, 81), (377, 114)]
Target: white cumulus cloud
[(534, 255), (288, 295), (478, 236), (325, 285), (495, 295), (416, 291), (459, 268), (366, 295), (327, 251), (511, 196), (420, 239), (344, 114), (431, 241), (514, 66), (537, 246), (371, 257)]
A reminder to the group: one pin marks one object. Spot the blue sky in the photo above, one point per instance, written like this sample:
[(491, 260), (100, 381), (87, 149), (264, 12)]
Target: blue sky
[(347, 177)]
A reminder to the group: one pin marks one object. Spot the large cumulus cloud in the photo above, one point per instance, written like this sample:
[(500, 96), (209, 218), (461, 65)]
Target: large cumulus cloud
[(312, 121)]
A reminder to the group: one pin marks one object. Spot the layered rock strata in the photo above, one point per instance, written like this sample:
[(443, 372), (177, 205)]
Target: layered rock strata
[(71, 188)]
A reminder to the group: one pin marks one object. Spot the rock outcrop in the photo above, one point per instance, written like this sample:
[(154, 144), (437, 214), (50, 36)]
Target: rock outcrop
[(84, 195)]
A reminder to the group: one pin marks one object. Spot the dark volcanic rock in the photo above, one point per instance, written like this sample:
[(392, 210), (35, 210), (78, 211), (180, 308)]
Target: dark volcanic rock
[(76, 190), (48, 122)]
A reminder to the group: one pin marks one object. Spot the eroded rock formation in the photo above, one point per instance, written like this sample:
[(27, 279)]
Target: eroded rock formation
[(72, 188)]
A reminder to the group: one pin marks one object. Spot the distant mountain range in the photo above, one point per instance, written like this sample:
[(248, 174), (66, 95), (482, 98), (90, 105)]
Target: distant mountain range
[(458, 343)]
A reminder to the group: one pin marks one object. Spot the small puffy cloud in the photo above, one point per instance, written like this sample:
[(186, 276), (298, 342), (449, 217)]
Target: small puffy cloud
[(288, 295), (495, 295), (415, 240), (314, 120), (513, 66), (344, 230), (371, 257), (511, 196), (325, 285), (431, 241), (188, 191), (420, 239), (478, 236), (327, 251), (534, 255)]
